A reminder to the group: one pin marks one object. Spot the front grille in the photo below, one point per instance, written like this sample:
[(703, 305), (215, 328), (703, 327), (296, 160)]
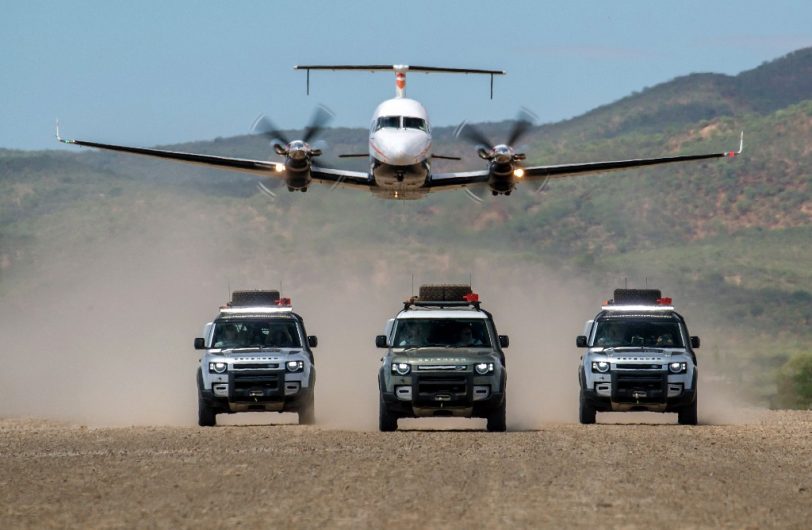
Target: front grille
[(442, 389), (643, 386), (255, 366), (442, 368), (620, 366), (253, 386)]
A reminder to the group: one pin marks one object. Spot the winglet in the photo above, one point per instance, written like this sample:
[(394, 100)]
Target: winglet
[(731, 154), (59, 137)]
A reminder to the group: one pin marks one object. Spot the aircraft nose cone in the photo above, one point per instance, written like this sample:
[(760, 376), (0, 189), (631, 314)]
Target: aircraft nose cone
[(401, 157)]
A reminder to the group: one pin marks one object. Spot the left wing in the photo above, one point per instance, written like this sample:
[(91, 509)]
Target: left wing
[(330, 177), (461, 180)]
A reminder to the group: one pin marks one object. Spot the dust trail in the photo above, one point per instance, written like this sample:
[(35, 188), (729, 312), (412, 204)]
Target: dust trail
[(105, 336)]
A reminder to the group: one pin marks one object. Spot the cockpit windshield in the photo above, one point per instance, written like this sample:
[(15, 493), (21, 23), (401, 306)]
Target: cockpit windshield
[(617, 333), (391, 122), (415, 123), (450, 333), (398, 122), (256, 334)]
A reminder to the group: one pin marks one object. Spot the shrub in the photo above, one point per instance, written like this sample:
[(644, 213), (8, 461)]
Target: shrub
[(794, 382)]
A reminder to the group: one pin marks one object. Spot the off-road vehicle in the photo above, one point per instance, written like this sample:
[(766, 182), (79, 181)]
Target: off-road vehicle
[(443, 358), (639, 357), (256, 357)]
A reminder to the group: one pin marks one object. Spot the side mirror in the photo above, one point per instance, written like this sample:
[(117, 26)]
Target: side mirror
[(580, 341), (381, 342), (695, 342), (312, 341), (200, 343), (504, 341)]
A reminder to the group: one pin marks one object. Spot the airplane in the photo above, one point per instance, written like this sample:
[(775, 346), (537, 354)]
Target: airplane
[(400, 151)]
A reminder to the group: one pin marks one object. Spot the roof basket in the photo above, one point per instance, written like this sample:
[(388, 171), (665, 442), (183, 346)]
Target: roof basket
[(256, 298), (444, 295), (636, 296)]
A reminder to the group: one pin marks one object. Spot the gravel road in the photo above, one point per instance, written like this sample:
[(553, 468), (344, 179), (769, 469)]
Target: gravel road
[(631, 475)]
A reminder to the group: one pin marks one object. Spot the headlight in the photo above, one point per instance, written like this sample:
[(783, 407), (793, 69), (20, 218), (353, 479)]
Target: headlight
[(678, 368), (483, 368), (600, 366), (401, 368), (218, 367), (295, 366)]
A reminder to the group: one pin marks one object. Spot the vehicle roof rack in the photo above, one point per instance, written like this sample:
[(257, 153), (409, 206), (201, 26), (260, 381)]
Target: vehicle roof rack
[(440, 303)]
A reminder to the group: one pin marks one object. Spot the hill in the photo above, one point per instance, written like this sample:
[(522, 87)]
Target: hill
[(729, 239)]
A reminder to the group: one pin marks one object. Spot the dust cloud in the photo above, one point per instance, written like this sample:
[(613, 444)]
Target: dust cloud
[(103, 336)]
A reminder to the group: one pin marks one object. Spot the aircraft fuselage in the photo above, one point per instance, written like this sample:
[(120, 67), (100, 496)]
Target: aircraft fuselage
[(400, 149)]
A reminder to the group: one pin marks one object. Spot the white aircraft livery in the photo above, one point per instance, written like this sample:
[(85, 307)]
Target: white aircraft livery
[(400, 150)]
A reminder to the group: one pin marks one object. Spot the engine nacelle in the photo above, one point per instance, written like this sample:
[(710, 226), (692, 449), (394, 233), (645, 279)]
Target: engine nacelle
[(501, 180), (297, 173)]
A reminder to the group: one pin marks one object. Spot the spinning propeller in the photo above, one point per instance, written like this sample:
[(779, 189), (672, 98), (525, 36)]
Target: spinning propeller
[(298, 149), (498, 153)]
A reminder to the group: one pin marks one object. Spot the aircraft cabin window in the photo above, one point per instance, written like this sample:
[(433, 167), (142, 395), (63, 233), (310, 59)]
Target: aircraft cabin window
[(415, 123), (392, 122)]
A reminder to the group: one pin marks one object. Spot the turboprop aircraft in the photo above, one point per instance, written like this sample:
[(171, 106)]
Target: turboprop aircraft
[(400, 151)]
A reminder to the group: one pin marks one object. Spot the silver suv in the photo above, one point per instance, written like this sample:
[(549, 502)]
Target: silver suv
[(256, 357), (443, 358), (639, 356)]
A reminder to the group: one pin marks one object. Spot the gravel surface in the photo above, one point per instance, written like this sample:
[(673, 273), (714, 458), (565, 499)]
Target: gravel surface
[(632, 475)]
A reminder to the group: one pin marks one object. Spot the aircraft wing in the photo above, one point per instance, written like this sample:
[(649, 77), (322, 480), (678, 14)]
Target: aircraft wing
[(330, 177), (568, 170), (341, 178), (450, 181), (461, 180)]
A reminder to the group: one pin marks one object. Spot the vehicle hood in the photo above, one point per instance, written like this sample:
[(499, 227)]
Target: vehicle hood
[(441, 356), (626, 354), (250, 353)]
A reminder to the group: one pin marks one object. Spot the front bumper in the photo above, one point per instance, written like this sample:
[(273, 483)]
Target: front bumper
[(270, 390), (639, 390), (444, 394)]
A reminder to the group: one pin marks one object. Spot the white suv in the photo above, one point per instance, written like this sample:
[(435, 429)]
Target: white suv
[(639, 356), (256, 357)]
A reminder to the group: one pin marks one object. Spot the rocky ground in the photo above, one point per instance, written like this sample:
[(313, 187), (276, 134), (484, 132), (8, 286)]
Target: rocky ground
[(286, 476)]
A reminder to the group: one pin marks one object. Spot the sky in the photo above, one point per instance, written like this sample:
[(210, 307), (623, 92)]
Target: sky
[(158, 72)]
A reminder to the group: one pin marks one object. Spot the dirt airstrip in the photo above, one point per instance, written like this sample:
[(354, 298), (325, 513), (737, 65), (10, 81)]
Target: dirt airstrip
[(633, 475)]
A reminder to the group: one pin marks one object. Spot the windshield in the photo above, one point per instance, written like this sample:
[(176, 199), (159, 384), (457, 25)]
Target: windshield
[(392, 122), (256, 334), (415, 123), (629, 332), (452, 333)]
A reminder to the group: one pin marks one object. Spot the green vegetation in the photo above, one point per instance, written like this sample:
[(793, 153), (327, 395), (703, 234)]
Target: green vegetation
[(730, 240), (794, 382)]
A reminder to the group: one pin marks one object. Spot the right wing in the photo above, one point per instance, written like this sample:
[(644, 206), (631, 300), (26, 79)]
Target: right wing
[(442, 181)]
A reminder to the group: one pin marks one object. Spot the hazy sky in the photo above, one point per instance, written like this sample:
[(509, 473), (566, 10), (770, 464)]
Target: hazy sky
[(158, 72)]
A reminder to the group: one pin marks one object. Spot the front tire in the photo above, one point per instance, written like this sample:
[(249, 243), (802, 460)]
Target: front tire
[(587, 414), (497, 420), (206, 417), (387, 422), (688, 415), (307, 412)]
